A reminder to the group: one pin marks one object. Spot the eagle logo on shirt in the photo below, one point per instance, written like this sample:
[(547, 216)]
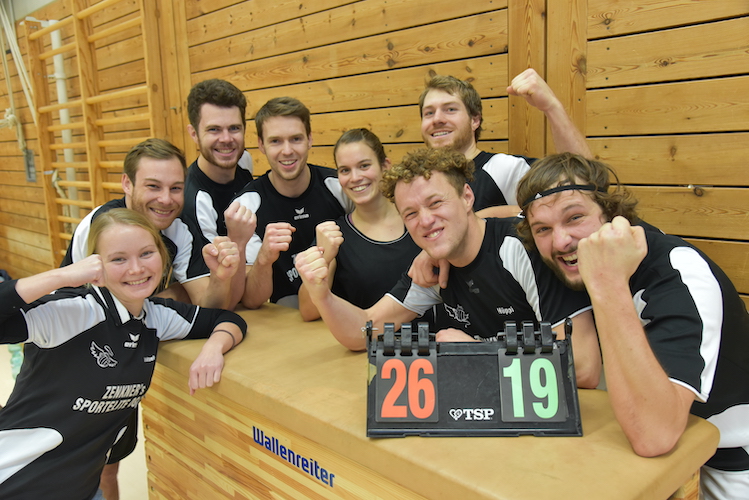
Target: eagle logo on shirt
[(458, 314), (104, 357)]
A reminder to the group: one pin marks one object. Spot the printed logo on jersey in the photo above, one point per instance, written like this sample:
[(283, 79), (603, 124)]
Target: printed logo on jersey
[(471, 287), (149, 359), (104, 357), (292, 273), (505, 311), (300, 214), (133, 341), (458, 314)]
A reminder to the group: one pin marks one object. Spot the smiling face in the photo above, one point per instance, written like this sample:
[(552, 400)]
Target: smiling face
[(445, 122), (437, 217), (158, 191), (219, 136), (286, 145), (132, 264), (558, 222), (359, 172)]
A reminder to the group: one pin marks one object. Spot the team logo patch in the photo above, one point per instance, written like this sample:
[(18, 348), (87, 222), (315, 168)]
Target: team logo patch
[(133, 341), (472, 287), (300, 214), (458, 314), (104, 357)]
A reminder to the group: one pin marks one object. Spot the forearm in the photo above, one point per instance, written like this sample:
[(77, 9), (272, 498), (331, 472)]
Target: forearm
[(307, 308), (344, 320), (239, 279), (258, 285), (207, 367), (225, 337), (39, 285), (649, 407), (567, 138), (218, 293), (587, 352), (209, 291)]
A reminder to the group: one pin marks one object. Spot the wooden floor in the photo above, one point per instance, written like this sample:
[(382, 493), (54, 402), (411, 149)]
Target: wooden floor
[(132, 476)]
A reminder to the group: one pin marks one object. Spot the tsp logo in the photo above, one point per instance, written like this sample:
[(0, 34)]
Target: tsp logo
[(472, 413)]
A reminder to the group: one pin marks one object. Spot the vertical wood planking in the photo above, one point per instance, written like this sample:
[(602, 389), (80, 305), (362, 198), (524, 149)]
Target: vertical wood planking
[(527, 45), (566, 63)]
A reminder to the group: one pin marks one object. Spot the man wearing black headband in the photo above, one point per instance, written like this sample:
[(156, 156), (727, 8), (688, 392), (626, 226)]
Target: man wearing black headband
[(673, 331), (493, 279)]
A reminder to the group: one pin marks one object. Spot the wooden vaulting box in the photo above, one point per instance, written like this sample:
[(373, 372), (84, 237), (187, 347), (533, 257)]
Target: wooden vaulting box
[(658, 87)]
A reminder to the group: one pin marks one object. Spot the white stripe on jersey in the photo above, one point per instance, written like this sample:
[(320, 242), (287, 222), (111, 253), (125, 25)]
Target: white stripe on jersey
[(708, 298), (517, 262), (732, 422), (206, 215), (168, 325), (20, 447), (53, 323)]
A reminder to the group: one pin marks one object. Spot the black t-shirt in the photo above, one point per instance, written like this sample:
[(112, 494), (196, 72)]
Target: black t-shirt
[(87, 365), (322, 201), (504, 282)]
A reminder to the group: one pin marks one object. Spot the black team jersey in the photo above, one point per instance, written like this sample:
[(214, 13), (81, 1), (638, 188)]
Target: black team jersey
[(322, 201), (503, 283), (87, 364)]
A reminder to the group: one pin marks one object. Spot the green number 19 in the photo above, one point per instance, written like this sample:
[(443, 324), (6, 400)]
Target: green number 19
[(540, 390)]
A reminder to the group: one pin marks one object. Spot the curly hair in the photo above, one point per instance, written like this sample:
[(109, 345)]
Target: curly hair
[(422, 163), (461, 88), (217, 92), (568, 168)]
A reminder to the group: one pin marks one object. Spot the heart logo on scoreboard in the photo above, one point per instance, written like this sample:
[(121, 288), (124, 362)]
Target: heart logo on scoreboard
[(456, 413)]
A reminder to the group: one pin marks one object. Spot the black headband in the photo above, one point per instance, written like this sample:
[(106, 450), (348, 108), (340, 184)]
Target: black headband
[(566, 187)]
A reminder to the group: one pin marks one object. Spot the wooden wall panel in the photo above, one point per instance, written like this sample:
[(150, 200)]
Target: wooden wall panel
[(350, 22), (670, 55), (397, 87), (616, 17), (667, 107), (657, 85), (463, 38), (706, 159), (715, 105), (248, 16), (701, 212)]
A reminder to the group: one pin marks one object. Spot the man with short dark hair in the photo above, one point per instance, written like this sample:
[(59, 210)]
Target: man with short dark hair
[(673, 331), (493, 279), (289, 201), (216, 110)]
